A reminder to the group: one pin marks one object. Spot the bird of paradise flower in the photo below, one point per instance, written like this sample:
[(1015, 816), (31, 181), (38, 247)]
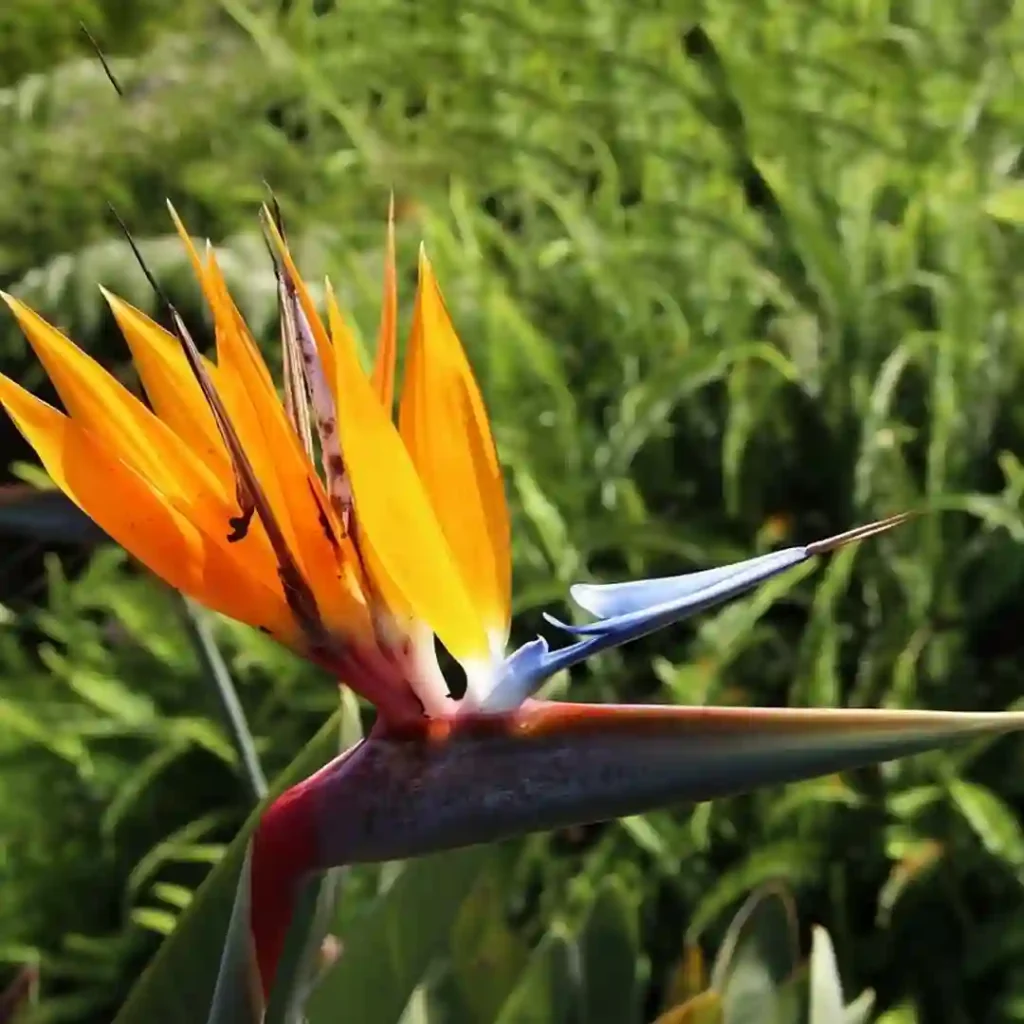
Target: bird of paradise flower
[(400, 537)]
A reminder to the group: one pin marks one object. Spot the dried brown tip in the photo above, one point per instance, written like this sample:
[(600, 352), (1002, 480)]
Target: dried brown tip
[(822, 547)]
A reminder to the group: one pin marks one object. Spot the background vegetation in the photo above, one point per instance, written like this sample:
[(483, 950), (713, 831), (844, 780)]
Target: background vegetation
[(733, 275)]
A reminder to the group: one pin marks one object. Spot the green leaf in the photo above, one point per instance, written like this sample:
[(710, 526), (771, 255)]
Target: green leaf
[(389, 951), (730, 630), (548, 991), (180, 845), (135, 785), (17, 719), (111, 697), (800, 798), (899, 1015), (175, 895), (644, 830), (160, 921), (817, 683), (788, 861), (609, 947), (992, 821)]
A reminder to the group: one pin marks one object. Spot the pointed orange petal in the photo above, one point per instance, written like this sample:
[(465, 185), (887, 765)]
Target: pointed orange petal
[(98, 402), (387, 341), (292, 488), (101, 405), (216, 293), (326, 556), (445, 428), (170, 384), (143, 520), (407, 553)]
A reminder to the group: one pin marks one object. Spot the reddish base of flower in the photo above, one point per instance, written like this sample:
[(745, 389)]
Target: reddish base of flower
[(283, 850)]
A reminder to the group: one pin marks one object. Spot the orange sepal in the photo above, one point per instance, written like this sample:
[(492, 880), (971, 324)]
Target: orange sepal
[(101, 404), (406, 551), (446, 431), (170, 384), (143, 520)]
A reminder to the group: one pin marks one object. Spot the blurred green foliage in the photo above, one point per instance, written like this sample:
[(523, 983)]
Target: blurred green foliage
[(732, 275)]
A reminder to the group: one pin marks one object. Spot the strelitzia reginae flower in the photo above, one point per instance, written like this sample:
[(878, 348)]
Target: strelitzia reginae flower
[(357, 542)]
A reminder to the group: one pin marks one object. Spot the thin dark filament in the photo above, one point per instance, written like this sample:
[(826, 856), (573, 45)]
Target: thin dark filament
[(103, 60)]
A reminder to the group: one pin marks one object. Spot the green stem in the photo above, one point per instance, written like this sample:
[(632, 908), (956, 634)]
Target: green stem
[(234, 716)]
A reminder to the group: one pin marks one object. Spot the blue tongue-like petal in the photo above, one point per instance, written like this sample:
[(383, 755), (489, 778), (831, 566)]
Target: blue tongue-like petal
[(628, 611), (610, 600), (635, 609)]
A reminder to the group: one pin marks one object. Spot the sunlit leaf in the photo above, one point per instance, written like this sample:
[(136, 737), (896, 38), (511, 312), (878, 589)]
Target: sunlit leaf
[(992, 821)]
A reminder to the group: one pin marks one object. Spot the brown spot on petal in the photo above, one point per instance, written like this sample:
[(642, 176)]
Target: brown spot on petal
[(240, 524), (325, 523)]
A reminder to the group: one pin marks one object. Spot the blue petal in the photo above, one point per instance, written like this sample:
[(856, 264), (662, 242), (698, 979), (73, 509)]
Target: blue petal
[(607, 600), (628, 611), (521, 673), (526, 668), (678, 598)]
